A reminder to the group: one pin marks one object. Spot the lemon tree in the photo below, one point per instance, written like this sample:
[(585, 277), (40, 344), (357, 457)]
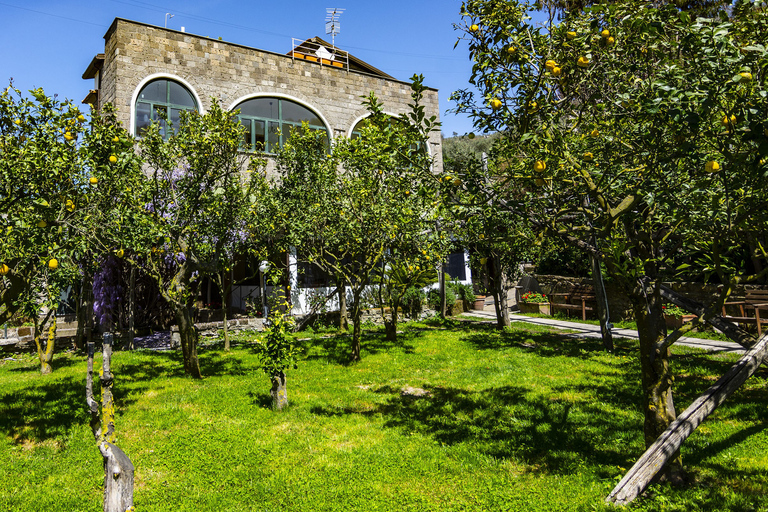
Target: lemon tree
[(365, 204), (197, 202), (629, 133)]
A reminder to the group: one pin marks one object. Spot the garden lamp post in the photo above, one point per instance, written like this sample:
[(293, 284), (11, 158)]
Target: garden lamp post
[(263, 267)]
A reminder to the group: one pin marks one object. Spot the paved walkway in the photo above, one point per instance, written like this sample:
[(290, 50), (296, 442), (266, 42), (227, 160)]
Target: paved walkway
[(593, 331)]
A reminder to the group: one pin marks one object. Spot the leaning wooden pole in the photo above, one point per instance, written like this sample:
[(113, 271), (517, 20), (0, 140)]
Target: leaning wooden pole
[(669, 442)]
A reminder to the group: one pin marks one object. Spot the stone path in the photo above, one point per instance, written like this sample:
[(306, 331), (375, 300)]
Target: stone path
[(593, 331)]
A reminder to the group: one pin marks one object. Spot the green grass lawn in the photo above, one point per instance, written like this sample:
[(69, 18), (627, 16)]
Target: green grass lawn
[(519, 420)]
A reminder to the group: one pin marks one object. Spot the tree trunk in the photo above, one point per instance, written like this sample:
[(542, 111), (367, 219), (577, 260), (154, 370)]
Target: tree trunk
[(356, 323), (131, 309), (118, 469), (224, 314), (188, 338), (84, 311), (646, 468), (279, 391), (390, 324), (118, 478), (499, 294), (45, 355), (441, 284), (658, 406), (343, 321), (603, 312)]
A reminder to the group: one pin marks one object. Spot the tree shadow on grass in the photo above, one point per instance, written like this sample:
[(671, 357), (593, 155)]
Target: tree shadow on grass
[(337, 348), (552, 435), (45, 411), (543, 344)]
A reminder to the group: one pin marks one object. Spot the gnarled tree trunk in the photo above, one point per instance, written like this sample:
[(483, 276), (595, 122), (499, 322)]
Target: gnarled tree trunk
[(188, 337), (658, 405), (45, 354), (499, 288), (118, 469)]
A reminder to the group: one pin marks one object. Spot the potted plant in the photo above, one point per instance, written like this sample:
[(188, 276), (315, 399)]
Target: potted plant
[(675, 317), (533, 302)]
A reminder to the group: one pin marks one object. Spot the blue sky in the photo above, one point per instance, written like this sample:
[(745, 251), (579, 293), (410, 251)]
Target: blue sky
[(49, 44)]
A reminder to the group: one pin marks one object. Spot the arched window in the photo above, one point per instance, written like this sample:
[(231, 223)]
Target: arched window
[(162, 98), (268, 122)]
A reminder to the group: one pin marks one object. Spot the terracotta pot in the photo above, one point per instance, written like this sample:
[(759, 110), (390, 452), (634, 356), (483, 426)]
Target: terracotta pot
[(674, 322), (479, 304)]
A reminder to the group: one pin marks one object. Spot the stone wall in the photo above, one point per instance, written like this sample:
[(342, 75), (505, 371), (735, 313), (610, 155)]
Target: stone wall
[(231, 73), (618, 304)]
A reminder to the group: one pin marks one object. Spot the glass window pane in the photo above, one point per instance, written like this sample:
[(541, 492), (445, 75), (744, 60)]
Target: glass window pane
[(159, 113), (180, 95), (258, 133), (155, 91), (175, 120), (247, 134), (274, 137), (295, 113), (260, 107), (143, 119)]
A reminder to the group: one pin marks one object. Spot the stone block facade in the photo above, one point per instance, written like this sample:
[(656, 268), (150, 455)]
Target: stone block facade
[(136, 53)]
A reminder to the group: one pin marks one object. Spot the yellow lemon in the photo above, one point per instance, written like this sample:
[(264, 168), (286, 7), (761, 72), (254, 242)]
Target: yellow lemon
[(532, 105), (70, 205), (112, 159), (583, 62), (610, 41), (550, 65), (473, 28), (17, 121), (588, 156), (557, 71), (115, 139), (53, 264), (4, 269), (605, 33), (729, 121), (539, 166), (68, 136), (93, 180), (81, 118), (746, 77), (711, 166), (511, 50), (120, 253), (495, 103), (594, 133), (570, 35)]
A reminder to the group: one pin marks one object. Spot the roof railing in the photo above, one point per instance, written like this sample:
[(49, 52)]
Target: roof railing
[(313, 51)]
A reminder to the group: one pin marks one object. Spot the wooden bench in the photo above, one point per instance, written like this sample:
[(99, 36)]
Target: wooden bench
[(754, 301), (575, 300)]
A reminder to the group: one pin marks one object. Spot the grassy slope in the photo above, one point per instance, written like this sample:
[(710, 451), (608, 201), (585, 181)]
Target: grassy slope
[(522, 420)]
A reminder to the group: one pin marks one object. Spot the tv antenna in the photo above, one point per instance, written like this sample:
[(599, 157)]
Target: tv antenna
[(332, 24)]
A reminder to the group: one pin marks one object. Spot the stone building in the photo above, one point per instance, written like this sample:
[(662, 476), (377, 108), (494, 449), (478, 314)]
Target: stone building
[(145, 70)]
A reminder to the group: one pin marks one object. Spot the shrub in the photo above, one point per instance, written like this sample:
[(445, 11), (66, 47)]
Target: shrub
[(433, 298)]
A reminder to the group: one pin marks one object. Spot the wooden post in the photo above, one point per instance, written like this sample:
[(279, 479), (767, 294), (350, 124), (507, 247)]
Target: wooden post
[(669, 442), (118, 469)]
